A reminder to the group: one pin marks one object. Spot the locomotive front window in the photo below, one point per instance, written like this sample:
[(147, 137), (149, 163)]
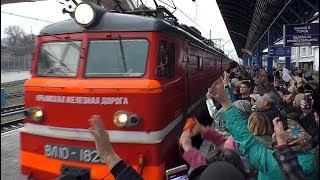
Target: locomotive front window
[(117, 58), (59, 59)]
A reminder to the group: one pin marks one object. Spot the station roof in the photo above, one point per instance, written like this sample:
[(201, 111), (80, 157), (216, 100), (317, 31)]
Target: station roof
[(248, 21)]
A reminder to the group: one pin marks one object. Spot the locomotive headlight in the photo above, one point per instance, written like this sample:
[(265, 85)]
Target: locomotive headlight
[(84, 14), (125, 119), (34, 113), (87, 14)]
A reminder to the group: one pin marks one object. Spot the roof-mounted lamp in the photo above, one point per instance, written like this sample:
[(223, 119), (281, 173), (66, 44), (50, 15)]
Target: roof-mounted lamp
[(88, 14)]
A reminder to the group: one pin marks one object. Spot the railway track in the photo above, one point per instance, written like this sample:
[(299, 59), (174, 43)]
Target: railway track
[(11, 125), (11, 110), (13, 83), (14, 95)]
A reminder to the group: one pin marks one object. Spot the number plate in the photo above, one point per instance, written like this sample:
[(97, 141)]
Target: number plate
[(73, 153)]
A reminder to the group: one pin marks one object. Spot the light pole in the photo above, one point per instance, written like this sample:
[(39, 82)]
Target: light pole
[(229, 51), (224, 44), (217, 39)]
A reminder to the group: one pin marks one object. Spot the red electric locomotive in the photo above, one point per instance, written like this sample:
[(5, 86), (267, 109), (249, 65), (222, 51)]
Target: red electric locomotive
[(143, 75)]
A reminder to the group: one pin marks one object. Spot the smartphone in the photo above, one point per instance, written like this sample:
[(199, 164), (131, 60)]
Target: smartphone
[(178, 173), (308, 98), (309, 91)]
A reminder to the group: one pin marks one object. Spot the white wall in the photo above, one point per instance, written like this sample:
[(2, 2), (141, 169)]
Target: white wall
[(298, 56), (14, 76), (316, 59)]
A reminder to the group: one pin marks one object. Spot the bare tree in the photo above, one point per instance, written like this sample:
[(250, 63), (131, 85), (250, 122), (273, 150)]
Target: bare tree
[(19, 41), (14, 34)]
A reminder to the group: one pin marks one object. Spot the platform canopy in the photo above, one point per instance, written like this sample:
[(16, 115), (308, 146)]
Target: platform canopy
[(248, 21)]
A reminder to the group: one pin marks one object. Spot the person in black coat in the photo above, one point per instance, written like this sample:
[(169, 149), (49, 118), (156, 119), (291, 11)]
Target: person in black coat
[(308, 122), (269, 108)]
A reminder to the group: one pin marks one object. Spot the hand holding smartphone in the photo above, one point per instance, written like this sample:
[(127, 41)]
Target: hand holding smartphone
[(308, 99)]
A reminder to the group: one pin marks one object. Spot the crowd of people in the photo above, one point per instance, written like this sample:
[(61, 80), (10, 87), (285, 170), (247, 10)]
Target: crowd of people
[(268, 129)]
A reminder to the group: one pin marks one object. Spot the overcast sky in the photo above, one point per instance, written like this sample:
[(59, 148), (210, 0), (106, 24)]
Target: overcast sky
[(205, 13)]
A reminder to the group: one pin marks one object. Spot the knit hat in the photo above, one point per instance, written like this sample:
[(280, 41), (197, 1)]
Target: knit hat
[(221, 170), (243, 106)]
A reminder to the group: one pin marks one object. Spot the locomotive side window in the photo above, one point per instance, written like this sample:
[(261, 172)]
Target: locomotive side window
[(200, 63), (166, 62), (117, 58), (171, 59), (162, 61), (59, 59)]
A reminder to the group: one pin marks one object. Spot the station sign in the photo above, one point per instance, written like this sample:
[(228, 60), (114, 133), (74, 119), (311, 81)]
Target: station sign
[(279, 51), (301, 34)]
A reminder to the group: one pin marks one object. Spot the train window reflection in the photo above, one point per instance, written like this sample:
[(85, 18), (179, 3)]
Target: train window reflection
[(59, 59), (117, 58)]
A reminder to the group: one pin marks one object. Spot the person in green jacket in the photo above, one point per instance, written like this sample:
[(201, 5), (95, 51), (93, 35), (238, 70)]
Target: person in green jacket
[(252, 149)]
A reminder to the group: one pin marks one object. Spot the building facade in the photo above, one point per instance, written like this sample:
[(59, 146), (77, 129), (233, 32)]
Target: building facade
[(305, 55)]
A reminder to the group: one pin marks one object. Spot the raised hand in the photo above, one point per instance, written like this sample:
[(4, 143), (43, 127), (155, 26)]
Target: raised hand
[(102, 141), (225, 79), (258, 81), (185, 140), (303, 107), (279, 131), (197, 129), (219, 94), (209, 94)]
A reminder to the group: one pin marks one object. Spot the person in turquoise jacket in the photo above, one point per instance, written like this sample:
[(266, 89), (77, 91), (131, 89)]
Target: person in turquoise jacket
[(252, 149)]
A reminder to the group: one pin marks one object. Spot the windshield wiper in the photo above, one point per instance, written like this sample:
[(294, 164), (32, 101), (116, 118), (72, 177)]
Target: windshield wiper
[(122, 55)]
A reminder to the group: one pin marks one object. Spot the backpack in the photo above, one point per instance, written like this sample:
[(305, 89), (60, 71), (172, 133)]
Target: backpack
[(297, 138)]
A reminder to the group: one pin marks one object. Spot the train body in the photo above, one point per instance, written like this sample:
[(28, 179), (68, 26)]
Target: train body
[(153, 71)]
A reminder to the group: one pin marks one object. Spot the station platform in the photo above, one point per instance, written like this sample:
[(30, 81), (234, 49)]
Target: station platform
[(10, 159), (9, 76)]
